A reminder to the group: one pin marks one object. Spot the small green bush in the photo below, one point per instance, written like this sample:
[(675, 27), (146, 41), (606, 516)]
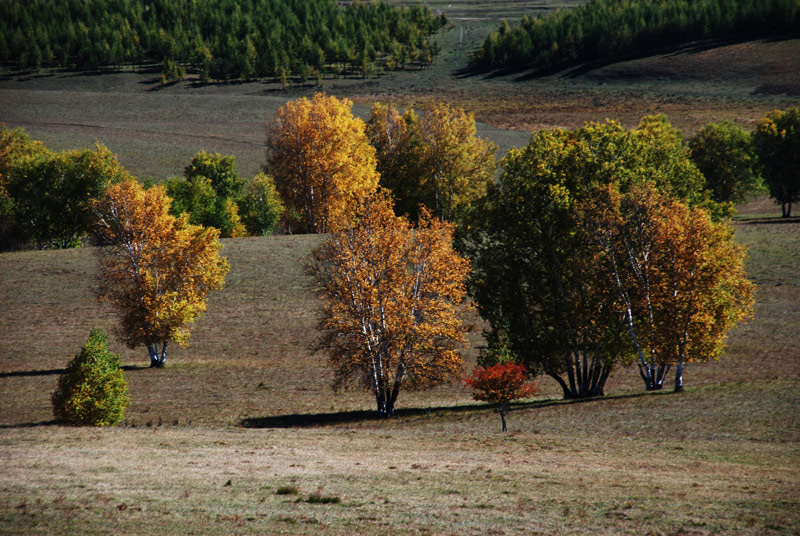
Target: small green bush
[(93, 390)]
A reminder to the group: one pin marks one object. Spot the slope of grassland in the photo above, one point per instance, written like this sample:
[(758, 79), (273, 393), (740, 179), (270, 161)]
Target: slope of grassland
[(247, 410)]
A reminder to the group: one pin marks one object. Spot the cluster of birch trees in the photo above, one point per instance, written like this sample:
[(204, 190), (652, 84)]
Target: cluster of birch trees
[(594, 248)]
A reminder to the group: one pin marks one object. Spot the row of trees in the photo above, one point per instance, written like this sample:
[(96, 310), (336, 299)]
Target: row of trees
[(595, 247), (322, 162), (46, 196), (603, 29), (220, 39)]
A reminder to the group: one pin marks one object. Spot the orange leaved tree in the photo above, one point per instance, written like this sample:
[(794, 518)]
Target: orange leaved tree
[(500, 384), (157, 270), (322, 163), (391, 302)]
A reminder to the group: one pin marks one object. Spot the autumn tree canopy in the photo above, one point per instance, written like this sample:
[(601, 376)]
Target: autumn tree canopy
[(322, 163), (459, 165), (679, 276), (391, 297), (435, 159), (155, 269), (500, 384)]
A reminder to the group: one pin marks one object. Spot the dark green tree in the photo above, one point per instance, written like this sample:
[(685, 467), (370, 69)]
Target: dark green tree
[(52, 193), (724, 154), (777, 142)]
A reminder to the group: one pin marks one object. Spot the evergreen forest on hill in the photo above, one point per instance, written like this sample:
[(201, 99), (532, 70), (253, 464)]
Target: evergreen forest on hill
[(220, 39), (607, 29)]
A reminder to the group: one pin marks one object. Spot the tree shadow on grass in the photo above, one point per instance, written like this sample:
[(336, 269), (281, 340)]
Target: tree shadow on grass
[(52, 422), (54, 372), (18, 373), (770, 220), (312, 420)]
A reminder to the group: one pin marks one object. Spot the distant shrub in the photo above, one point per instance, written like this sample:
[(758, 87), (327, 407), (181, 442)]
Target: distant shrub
[(316, 498), (287, 490), (93, 390)]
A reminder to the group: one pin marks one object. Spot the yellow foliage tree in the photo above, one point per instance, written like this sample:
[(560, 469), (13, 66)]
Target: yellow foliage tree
[(322, 163), (459, 165), (434, 160), (679, 276), (157, 270), (391, 303)]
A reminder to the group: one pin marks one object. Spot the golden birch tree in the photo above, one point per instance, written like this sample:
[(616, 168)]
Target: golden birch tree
[(391, 300), (155, 269), (703, 287), (321, 161), (679, 275)]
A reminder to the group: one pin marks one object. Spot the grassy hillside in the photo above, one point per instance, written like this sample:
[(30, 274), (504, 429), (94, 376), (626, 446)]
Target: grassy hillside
[(199, 450), (156, 130)]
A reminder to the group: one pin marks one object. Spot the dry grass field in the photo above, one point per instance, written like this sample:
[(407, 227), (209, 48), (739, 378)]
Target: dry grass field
[(241, 432)]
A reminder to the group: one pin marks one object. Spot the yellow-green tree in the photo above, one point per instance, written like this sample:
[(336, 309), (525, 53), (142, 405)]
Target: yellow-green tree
[(209, 194), (777, 142), (322, 163), (391, 300), (15, 144), (260, 207), (52, 193), (92, 391), (398, 146), (435, 160), (459, 164), (155, 269)]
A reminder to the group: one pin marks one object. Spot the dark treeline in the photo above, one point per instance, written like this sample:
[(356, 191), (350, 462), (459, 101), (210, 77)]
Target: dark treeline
[(603, 29), (220, 39)]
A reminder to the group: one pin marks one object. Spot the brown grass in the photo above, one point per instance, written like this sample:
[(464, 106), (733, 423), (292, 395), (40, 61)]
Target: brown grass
[(721, 458)]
